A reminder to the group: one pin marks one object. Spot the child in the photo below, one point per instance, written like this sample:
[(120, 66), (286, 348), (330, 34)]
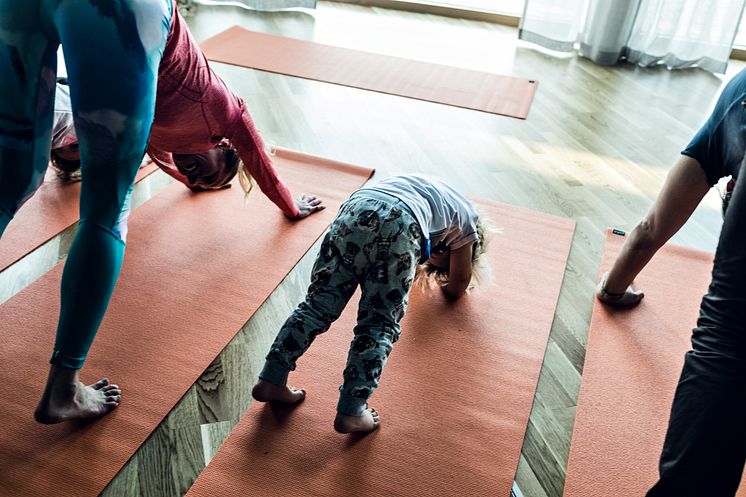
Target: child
[(379, 237)]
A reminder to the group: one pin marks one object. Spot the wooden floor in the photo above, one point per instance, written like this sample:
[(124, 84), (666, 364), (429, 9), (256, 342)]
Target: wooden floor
[(596, 147)]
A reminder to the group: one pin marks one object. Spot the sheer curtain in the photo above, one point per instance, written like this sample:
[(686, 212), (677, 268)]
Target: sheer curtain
[(677, 33), (553, 24), (685, 33)]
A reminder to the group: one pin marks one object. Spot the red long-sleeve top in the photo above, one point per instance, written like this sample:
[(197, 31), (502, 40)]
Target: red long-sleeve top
[(195, 111)]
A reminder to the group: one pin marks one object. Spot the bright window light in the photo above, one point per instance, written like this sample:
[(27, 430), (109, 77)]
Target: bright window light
[(511, 7)]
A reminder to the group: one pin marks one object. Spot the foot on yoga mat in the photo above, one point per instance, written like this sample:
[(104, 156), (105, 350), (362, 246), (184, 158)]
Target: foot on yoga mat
[(190, 281), (454, 399)]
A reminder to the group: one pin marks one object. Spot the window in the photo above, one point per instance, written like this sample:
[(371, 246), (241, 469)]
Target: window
[(510, 7), (740, 41)]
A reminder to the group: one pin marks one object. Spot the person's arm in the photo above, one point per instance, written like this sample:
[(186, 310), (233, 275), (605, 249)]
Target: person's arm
[(684, 188), (165, 162), (459, 271), (250, 146)]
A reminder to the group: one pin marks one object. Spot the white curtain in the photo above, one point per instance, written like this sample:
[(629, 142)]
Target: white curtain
[(553, 24), (685, 33), (607, 30), (677, 33)]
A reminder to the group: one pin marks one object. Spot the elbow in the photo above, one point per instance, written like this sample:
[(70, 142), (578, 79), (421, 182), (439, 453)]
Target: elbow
[(452, 294), (644, 237), (456, 289)]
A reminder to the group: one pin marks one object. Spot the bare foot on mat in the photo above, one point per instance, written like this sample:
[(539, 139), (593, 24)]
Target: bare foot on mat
[(265, 391), (64, 400), (357, 424)]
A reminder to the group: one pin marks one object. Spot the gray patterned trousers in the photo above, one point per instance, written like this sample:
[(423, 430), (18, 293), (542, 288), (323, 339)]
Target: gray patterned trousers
[(374, 242)]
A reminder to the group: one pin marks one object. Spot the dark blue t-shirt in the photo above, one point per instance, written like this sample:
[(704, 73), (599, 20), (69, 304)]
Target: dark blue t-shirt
[(720, 144)]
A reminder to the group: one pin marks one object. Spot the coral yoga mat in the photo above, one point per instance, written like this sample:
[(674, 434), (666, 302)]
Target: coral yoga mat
[(487, 92), (54, 207), (197, 267), (633, 362), (455, 396)]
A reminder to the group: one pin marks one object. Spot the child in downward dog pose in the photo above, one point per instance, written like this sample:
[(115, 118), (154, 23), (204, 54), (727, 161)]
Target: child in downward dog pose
[(380, 236)]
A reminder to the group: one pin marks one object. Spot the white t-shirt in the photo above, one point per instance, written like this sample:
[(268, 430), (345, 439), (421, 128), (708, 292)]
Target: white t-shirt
[(444, 215), (63, 132)]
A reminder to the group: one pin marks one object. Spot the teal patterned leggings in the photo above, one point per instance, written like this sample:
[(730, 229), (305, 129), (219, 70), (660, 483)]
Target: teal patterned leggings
[(374, 242), (112, 51)]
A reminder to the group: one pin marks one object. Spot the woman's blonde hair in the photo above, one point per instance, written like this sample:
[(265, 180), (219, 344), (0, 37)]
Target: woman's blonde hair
[(429, 275), (245, 179)]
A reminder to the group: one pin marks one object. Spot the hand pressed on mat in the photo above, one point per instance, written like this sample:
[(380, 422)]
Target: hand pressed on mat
[(630, 297), (307, 204)]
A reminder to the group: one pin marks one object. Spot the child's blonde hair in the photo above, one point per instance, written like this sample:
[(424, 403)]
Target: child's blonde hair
[(429, 275)]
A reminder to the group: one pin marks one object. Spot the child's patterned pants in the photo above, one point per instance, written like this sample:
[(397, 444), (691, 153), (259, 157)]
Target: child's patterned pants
[(374, 242)]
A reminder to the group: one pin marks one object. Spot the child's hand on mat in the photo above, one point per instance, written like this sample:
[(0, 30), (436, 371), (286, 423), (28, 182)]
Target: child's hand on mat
[(307, 205), (628, 298)]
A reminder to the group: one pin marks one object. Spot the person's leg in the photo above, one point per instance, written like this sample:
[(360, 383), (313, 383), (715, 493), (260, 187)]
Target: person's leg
[(113, 88), (386, 286), (28, 64), (705, 446), (332, 285)]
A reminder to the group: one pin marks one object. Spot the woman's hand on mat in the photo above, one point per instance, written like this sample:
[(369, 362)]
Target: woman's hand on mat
[(627, 298), (307, 204)]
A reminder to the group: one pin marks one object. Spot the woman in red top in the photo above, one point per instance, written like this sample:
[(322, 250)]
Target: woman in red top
[(202, 134)]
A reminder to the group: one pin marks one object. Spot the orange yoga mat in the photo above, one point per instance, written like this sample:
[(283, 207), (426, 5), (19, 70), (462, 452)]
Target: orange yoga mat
[(54, 207), (487, 92), (197, 267), (455, 396), (633, 362)]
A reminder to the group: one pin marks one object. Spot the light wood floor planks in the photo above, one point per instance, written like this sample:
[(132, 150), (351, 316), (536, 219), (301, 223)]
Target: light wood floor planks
[(596, 147)]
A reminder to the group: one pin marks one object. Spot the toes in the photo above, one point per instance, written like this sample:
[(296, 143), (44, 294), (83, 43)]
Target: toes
[(299, 391), (100, 384), (376, 417), (108, 388), (113, 392)]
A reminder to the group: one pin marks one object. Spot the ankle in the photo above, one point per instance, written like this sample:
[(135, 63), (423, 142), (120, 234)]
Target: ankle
[(262, 390), (63, 380)]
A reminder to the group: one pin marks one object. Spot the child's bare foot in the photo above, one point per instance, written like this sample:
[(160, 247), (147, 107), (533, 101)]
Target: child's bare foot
[(353, 424), (265, 391), (66, 398)]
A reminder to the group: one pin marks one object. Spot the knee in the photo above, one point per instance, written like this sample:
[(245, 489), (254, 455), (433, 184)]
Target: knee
[(382, 313), (20, 176), (717, 361), (113, 220), (309, 315), (5, 218), (374, 335)]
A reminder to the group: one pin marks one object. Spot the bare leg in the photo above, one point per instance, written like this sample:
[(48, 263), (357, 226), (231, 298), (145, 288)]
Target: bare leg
[(66, 398)]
